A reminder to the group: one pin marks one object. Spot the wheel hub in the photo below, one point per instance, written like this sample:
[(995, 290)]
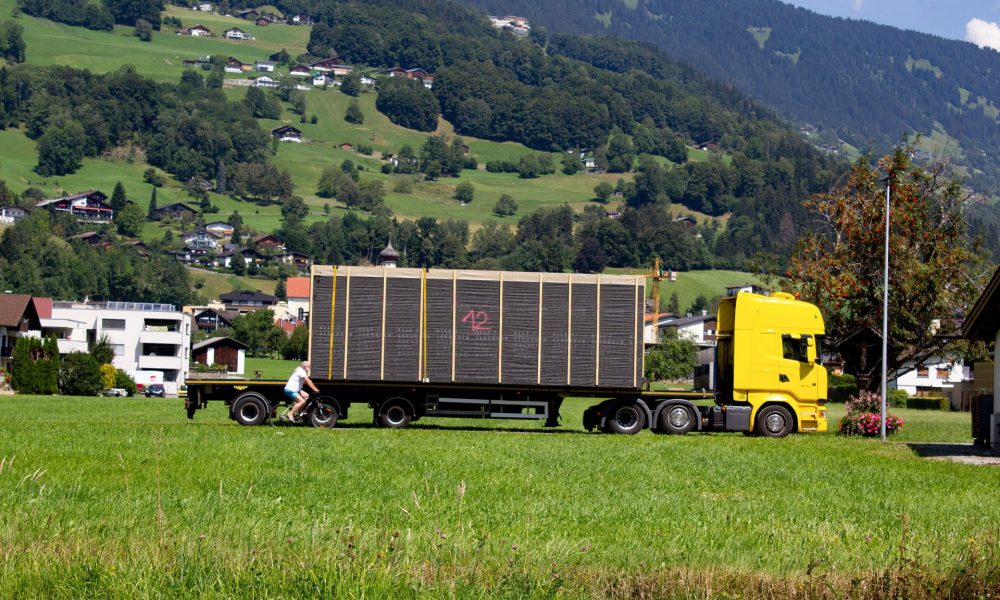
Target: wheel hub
[(678, 417), (774, 422)]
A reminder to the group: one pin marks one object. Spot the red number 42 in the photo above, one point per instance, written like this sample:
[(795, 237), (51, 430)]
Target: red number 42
[(477, 320)]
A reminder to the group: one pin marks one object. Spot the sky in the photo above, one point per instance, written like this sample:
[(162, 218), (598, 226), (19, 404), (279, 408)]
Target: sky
[(976, 21)]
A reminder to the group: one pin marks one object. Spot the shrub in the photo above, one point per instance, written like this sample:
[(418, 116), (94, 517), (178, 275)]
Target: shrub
[(929, 403), (898, 398), (841, 387), (34, 365), (80, 375), (869, 424), (108, 373), (124, 381)]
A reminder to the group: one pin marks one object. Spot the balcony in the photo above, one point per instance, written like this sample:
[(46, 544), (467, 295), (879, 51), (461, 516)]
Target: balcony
[(160, 363), (171, 338), (67, 346)]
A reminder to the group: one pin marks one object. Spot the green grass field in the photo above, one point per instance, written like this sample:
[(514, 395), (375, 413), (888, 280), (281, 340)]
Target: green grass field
[(126, 498)]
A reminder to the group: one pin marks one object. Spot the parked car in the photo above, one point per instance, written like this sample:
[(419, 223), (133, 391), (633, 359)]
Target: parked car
[(115, 392), (155, 390)]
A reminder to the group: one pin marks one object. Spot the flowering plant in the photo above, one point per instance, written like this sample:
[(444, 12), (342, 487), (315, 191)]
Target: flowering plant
[(864, 417)]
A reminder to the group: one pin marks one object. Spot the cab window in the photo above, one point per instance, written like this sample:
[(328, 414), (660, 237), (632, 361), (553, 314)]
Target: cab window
[(795, 347)]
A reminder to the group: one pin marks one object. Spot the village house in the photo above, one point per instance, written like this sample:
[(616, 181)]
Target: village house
[(328, 65), (264, 81), (346, 146), (12, 214), (982, 323), (177, 210), (367, 81), (18, 316), (247, 13), (324, 79), (299, 20), (262, 22), (205, 7), (235, 65), (287, 133), (225, 351), (247, 301), (297, 291), (235, 33), (220, 229), (264, 66), (211, 319), (269, 244), (196, 31), (300, 71), (200, 239), (88, 207), (301, 261), (92, 238)]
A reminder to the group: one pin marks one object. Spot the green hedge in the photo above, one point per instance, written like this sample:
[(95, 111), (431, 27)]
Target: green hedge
[(841, 387), (929, 403)]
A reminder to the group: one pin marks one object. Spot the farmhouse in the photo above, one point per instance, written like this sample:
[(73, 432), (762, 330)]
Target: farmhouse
[(235, 33), (346, 146), (196, 31), (235, 65), (332, 65), (300, 71), (269, 243), (88, 207), (262, 22), (224, 351), (287, 133), (92, 238)]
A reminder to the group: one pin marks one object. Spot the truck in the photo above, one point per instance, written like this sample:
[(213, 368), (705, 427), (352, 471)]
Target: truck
[(416, 343)]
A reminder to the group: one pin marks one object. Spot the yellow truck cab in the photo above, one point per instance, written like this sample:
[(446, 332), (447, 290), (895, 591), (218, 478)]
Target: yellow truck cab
[(768, 359)]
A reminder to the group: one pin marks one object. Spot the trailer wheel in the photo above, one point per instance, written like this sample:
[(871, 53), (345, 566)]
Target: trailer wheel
[(250, 409), (323, 416), (627, 418), (395, 414), (677, 419), (774, 421)]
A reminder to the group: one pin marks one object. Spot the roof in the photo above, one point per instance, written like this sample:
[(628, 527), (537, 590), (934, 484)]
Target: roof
[(43, 306), (101, 197), (297, 287), (175, 206), (389, 254), (14, 307), (983, 320), (219, 341), (685, 321), (286, 129), (248, 295), (287, 326)]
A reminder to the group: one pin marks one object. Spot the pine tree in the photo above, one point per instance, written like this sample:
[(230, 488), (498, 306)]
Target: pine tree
[(21, 366), (118, 199), (151, 214), (221, 178), (51, 381), (674, 306)]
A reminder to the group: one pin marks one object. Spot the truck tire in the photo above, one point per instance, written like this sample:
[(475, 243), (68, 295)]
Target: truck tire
[(323, 416), (250, 409), (677, 419), (626, 418), (395, 414), (774, 421)]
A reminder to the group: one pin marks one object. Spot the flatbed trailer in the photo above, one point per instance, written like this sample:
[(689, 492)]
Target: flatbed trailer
[(411, 343)]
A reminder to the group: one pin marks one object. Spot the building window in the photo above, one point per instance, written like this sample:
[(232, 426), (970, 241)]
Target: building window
[(112, 323), (943, 374), (922, 371), (119, 349)]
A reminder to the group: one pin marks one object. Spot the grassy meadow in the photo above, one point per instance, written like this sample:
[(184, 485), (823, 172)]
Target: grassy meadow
[(129, 499)]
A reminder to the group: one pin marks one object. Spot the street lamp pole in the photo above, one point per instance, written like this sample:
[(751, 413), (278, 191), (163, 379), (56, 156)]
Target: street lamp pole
[(885, 308)]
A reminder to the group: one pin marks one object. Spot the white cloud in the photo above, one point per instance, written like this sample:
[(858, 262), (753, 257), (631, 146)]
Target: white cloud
[(983, 33), (857, 5)]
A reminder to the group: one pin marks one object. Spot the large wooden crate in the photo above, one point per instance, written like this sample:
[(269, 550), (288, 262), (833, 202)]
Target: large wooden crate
[(476, 327)]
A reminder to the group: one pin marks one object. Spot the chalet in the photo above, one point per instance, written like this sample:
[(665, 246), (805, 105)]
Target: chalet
[(332, 65), (264, 81), (220, 229), (12, 214), (88, 207), (235, 65), (367, 81), (19, 314), (396, 72), (346, 146), (428, 82), (177, 210), (417, 74), (287, 133), (264, 66), (196, 31), (708, 146), (299, 20), (270, 17), (200, 239), (248, 13), (247, 301), (262, 22), (300, 71), (92, 238), (140, 248), (324, 79), (189, 255), (269, 243), (233, 253), (235, 33), (224, 351), (211, 319)]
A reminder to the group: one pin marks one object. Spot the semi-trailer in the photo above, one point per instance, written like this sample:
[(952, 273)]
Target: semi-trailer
[(415, 343)]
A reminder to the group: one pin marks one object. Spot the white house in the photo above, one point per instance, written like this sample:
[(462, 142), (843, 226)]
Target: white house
[(935, 377), (205, 7), (297, 289), (651, 335), (700, 329), (300, 71), (264, 66), (235, 33), (264, 81), (366, 80), (145, 337), (201, 239), (196, 31), (12, 214)]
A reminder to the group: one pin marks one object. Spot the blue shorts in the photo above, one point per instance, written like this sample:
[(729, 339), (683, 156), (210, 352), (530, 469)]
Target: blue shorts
[(292, 394)]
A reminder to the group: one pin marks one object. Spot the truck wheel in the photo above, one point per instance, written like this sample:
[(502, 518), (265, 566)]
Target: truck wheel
[(627, 418), (677, 419), (250, 410), (774, 421), (323, 416), (395, 414)]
